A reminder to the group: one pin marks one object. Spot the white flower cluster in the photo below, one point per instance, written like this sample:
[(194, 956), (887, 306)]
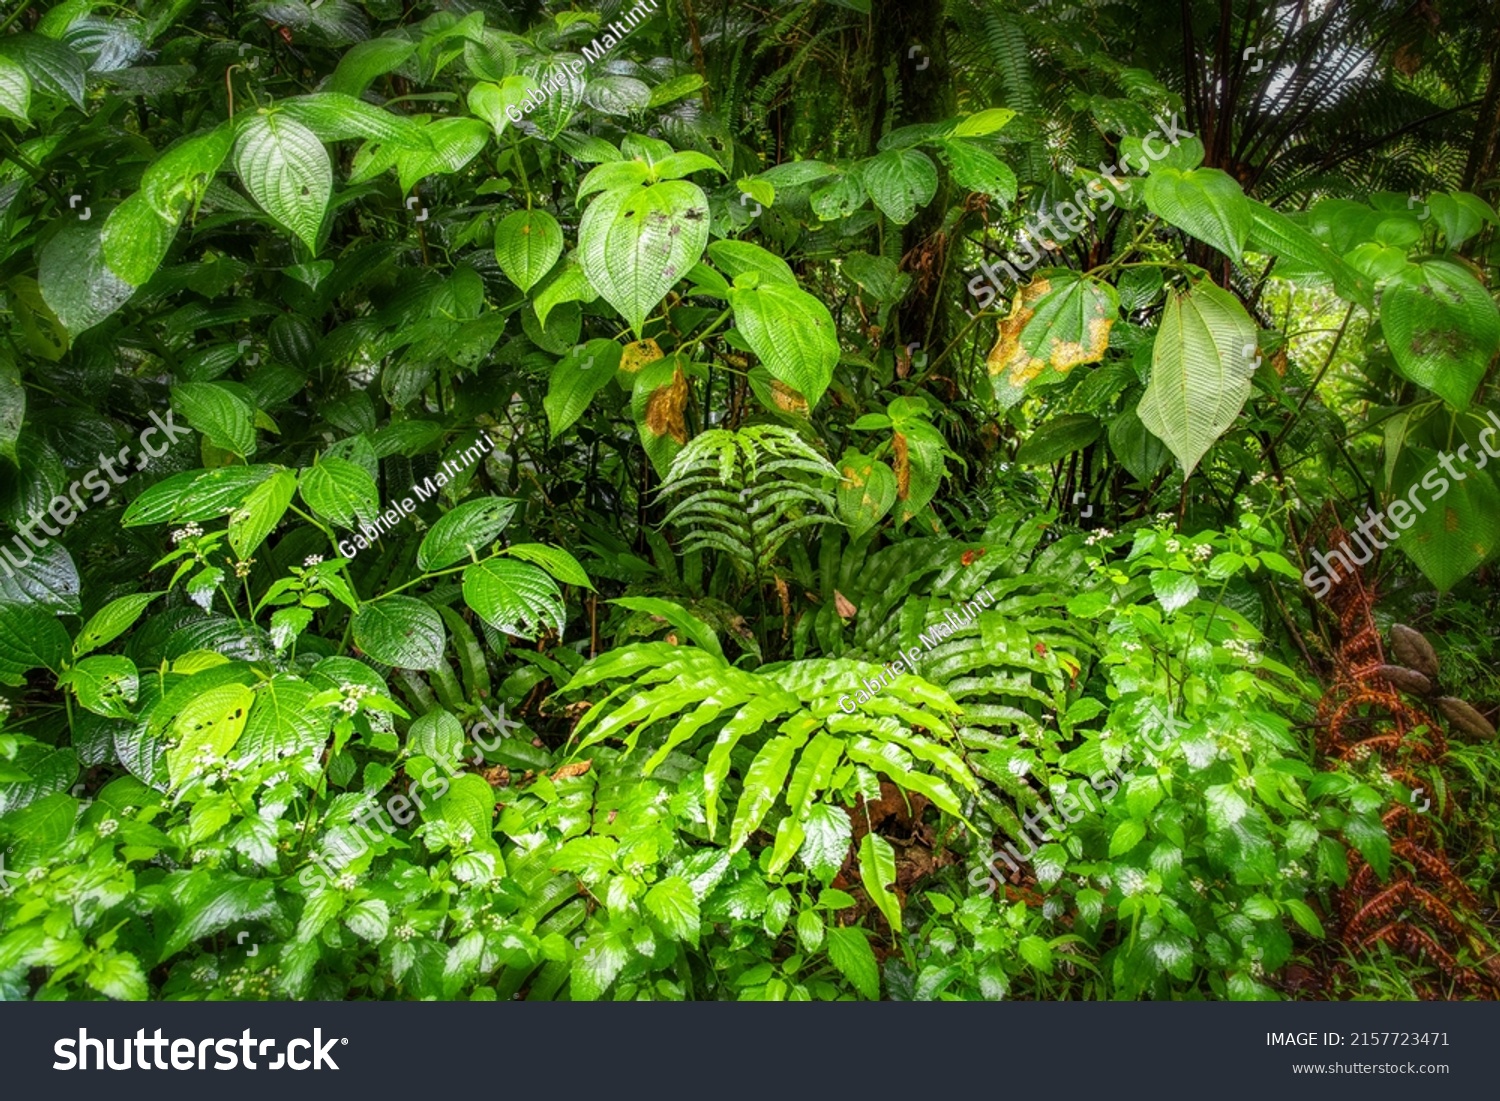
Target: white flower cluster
[(189, 531), (313, 560), (1235, 739), (1203, 552), (1100, 534), (1245, 651), (346, 882), (404, 932), (107, 827), (1133, 881), (353, 693)]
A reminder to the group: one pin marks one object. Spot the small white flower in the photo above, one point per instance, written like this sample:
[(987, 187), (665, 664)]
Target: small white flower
[(1203, 552), (348, 705), (1164, 517), (1173, 546), (1132, 881), (1246, 782), (1258, 478), (36, 875), (313, 560), (404, 931), (107, 827), (346, 882)]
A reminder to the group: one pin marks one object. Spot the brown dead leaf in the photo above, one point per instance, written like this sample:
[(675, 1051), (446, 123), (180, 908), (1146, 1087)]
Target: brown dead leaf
[(787, 399), (841, 603), (665, 406), (576, 768)]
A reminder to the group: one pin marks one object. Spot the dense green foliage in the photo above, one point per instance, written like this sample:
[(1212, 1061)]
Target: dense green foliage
[(660, 502)]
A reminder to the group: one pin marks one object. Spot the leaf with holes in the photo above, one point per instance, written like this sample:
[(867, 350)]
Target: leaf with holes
[(207, 729), (464, 530), (106, 684)]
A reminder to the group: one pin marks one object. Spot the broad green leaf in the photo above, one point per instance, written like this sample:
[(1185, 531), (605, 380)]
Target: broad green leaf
[(76, 283), (569, 284), (851, 954), (1173, 589), (286, 170), (556, 561), (900, 181), (980, 170), (369, 920), (1204, 202), (1443, 328), (677, 165), (30, 638), (1367, 834), (111, 621), (1277, 235), (617, 95), (15, 89), (136, 239), (669, 91), (574, 381), (211, 904), (1128, 834), (877, 871), (465, 529), (333, 116), (1057, 439), (363, 62), (262, 511), (792, 333), (196, 495), (341, 491), (635, 243), (12, 405), (673, 904), (470, 805), (1199, 371), (1460, 215), (514, 597), (983, 122), (400, 631), (227, 419), (1456, 533), (499, 104), (527, 244), (54, 68), (734, 258)]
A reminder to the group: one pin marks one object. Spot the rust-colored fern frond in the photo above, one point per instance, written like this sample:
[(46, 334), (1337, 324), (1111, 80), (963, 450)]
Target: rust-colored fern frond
[(1425, 911)]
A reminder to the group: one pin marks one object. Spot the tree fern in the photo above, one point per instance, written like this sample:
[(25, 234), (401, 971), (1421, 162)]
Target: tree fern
[(748, 492)]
